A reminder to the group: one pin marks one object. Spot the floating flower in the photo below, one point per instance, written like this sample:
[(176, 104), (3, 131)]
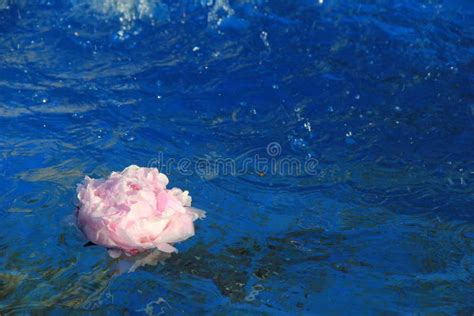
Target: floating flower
[(133, 211)]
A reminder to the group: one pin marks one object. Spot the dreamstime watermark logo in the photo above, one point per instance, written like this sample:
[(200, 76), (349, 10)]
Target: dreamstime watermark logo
[(267, 160), (273, 149)]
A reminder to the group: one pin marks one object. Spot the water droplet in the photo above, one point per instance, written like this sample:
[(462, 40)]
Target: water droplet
[(307, 126), (127, 136), (264, 38), (196, 48)]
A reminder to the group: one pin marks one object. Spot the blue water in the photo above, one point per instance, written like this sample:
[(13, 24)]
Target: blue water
[(379, 94)]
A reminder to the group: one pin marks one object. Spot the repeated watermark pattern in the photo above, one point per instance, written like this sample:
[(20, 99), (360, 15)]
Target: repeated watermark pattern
[(263, 161)]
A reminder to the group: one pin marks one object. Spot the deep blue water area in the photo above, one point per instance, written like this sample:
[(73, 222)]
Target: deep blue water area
[(371, 103)]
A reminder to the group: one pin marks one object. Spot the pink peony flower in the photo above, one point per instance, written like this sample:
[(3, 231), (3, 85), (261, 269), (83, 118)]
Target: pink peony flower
[(132, 211)]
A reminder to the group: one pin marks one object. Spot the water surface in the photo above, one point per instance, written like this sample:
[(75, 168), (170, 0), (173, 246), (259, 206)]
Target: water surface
[(379, 93)]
